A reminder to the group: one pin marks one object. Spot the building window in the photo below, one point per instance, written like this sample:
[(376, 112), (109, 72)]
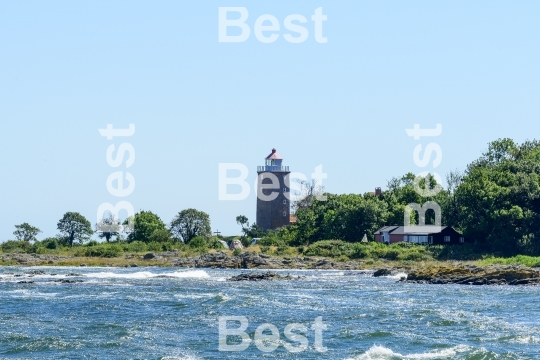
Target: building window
[(462, 239), (284, 201), (447, 239), (430, 239), (404, 237)]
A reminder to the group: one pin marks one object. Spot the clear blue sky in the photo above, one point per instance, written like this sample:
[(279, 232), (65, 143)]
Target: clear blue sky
[(69, 68)]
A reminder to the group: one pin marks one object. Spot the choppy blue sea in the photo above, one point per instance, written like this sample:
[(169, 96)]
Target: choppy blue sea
[(137, 313)]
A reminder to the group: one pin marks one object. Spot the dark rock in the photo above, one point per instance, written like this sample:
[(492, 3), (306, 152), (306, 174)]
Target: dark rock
[(82, 265), (134, 265), (36, 272), (259, 277), (68, 281), (475, 275), (382, 272), (73, 274), (149, 256), (26, 282)]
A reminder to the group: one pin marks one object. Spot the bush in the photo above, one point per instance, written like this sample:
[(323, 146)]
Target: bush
[(160, 236), (92, 243), (237, 252), (461, 252), (154, 246), (198, 242), (340, 249), (272, 238), (16, 246), (136, 246), (107, 251), (330, 248), (214, 243), (50, 243)]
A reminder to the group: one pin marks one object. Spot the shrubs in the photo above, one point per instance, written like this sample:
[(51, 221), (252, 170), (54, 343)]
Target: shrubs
[(160, 236), (462, 252), (340, 250), (50, 243), (16, 246), (198, 242), (330, 248), (214, 243), (108, 251), (154, 246), (135, 246), (532, 261)]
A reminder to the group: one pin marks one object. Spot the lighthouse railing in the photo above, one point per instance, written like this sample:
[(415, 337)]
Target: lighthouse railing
[(273, 168)]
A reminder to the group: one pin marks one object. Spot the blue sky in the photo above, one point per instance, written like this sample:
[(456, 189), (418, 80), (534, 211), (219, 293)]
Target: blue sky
[(70, 68)]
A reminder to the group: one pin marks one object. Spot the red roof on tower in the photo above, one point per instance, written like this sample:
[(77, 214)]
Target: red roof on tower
[(274, 155)]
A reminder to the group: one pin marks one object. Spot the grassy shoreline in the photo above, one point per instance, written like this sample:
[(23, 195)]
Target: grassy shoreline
[(336, 253), (137, 260)]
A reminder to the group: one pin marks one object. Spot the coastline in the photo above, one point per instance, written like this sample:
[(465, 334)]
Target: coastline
[(430, 272)]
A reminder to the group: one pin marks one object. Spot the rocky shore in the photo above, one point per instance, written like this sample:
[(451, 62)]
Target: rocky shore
[(220, 259), (251, 260), (475, 275), (440, 273)]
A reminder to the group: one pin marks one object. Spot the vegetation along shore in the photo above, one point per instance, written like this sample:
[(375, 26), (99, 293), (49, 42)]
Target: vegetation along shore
[(495, 201)]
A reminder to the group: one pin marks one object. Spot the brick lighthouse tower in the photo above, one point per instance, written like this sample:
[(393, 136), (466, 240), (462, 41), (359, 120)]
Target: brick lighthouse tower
[(273, 186)]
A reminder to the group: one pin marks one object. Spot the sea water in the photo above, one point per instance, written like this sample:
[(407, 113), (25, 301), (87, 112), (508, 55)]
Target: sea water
[(167, 313)]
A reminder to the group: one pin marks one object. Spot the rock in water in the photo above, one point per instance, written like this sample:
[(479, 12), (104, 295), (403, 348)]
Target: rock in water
[(259, 277), (382, 272), (68, 281), (36, 272)]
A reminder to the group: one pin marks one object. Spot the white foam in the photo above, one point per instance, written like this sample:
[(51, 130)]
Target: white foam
[(398, 276), (378, 352), (197, 274)]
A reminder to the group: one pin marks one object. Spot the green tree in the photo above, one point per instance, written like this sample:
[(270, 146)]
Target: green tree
[(145, 223), (346, 217), (401, 192), (190, 223), (26, 232), (160, 236), (75, 227), (499, 198)]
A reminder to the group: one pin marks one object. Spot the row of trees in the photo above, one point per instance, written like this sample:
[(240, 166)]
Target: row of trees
[(146, 227), (495, 201)]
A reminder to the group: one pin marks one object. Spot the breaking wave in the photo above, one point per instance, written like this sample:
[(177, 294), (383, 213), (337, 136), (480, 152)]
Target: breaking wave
[(192, 274), (378, 352)]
